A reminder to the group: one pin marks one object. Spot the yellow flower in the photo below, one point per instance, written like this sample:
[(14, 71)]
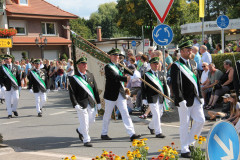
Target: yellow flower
[(130, 158), (200, 136), (159, 150), (66, 158), (172, 156), (144, 139), (123, 158), (139, 155), (204, 139), (73, 157), (97, 158), (195, 137), (134, 144), (199, 142), (147, 148), (175, 152), (117, 158)]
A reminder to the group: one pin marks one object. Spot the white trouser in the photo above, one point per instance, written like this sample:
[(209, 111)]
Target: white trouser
[(40, 100), (11, 99), (197, 114), (2, 94), (86, 117), (157, 112), (237, 126), (121, 103)]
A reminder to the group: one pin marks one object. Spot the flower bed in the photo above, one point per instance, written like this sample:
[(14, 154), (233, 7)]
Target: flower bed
[(7, 32)]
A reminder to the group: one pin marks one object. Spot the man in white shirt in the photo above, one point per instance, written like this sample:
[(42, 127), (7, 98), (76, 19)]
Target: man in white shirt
[(204, 75), (206, 56)]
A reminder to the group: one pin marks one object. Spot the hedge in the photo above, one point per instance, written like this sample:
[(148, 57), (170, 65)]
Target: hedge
[(218, 59)]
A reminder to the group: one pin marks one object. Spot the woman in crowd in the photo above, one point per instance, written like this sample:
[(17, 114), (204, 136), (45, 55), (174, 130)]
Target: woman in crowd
[(225, 84), (59, 72), (235, 109), (24, 75), (52, 74), (47, 69)]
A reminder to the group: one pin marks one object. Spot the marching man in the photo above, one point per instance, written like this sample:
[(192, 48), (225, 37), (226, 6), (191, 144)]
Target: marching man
[(10, 83), (115, 96), (84, 95), (155, 100), (37, 85), (188, 97)]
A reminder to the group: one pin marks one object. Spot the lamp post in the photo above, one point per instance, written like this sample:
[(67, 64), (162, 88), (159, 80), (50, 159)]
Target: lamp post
[(41, 43)]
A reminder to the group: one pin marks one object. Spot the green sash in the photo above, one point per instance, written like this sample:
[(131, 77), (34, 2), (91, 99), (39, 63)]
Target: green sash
[(39, 79), (10, 75), (85, 86), (189, 74), (115, 69), (156, 81)]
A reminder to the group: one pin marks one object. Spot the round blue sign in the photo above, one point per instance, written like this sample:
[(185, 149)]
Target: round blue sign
[(222, 21), (162, 35), (223, 142), (134, 43)]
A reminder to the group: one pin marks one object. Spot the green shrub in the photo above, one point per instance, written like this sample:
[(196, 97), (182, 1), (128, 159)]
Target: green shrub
[(24, 55), (64, 56), (218, 59)]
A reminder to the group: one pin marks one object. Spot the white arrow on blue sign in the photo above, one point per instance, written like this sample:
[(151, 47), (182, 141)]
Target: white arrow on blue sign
[(162, 35), (134, 43), (223, 21), (223, 142)]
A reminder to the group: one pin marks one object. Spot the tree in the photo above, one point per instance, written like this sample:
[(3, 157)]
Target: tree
[(80, 27)]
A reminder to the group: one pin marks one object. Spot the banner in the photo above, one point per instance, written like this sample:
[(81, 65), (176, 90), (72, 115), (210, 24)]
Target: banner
[(201, 8)]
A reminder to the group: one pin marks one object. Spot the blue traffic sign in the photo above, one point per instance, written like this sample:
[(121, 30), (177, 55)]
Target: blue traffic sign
[(223, 142), (162, 35), (134, 43), (222, 21)]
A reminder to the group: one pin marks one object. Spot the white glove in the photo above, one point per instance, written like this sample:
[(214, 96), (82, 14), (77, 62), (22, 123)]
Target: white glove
[(144, 102), (48, 90), (99, 106), (77, 107), (183, 103), (202, 101), (3, 88), (30, 90)]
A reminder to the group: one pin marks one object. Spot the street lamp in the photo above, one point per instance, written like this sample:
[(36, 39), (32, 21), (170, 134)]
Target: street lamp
[(42, 43)]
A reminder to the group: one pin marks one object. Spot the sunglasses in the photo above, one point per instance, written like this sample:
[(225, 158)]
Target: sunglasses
[(203, 66)]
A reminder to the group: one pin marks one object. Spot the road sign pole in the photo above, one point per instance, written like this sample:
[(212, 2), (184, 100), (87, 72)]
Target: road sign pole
[(143, 39), (222, 40), (164, 62), (202, 30)]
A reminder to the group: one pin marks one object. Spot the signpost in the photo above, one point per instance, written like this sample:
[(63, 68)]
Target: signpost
[(134, 43), (222, 22), (160, 8), (223, 142), (5, 42)]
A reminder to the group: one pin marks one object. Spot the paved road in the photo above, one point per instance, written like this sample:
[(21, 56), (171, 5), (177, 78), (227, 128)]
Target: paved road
[(54, 134)]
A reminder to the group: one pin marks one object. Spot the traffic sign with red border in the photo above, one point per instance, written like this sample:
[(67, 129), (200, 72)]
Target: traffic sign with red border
[(160, 8)]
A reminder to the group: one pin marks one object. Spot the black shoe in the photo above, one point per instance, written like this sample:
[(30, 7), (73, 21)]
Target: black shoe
[(40, 114), (152, 131), (160, 135), (15, 113), (105, 137), (80, 135), (88, 144), (135, 136), (186, 155), (9, 116)]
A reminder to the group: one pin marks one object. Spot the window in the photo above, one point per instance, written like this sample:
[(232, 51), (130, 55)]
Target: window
[(20, 26), (23, 2), (48, 28)]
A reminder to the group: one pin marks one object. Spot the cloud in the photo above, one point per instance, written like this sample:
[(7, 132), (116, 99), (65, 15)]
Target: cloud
[(82, 8)]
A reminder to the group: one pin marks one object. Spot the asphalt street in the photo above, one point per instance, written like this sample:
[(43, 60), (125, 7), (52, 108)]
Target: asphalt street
[(55, 132)]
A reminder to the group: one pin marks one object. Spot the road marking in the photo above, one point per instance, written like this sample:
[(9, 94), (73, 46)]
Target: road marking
[(58, 113), (10, 122), (54, 155), (175, 126)]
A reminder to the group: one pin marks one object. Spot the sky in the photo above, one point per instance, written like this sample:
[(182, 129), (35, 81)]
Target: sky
[(81, 8)]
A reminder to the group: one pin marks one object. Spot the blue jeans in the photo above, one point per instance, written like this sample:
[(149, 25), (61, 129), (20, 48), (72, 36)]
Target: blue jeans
[(58, 78), (118, 112)]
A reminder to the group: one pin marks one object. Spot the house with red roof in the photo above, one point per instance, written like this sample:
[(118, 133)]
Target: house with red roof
[(34, 19)]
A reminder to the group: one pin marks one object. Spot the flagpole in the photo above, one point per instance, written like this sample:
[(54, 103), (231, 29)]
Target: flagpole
[(202, 30)]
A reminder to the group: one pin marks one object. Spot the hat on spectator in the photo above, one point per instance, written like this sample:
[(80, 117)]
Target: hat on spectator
[(187, 44), (139, 54), (36, 61), (154, 60), (114, 52), (226, 96), (82, 60)]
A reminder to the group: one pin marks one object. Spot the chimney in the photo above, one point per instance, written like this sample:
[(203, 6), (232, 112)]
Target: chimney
[(99, 33)]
